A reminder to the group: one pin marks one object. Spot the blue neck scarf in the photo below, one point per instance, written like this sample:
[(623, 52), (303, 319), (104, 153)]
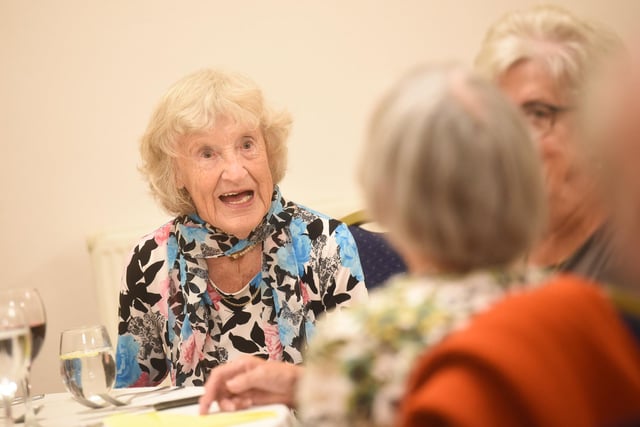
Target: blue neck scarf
[(203, 240), (191, 309)]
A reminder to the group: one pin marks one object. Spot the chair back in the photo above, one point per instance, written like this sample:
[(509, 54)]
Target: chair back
[(379, 259)]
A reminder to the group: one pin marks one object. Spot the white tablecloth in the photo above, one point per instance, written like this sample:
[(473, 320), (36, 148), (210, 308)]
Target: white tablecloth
[(61, 410)]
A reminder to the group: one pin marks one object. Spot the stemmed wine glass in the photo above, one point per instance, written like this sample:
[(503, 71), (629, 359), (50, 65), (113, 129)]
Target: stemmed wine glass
[(87, 365), (30, 302), (15, 351)]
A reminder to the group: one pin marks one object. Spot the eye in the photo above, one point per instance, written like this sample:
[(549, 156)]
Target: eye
[(206, 153), (538, 112), (248, 144)]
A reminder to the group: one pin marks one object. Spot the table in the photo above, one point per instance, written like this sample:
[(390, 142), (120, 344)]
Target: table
[(61, 410)]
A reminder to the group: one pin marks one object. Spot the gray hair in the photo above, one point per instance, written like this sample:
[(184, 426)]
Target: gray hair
[(192, 105), (568, 46), (450, 169)]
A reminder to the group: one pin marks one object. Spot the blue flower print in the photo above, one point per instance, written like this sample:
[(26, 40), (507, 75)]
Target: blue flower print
[(287, 259), (205, 299), (127, 361), (193, 234), (286, 331), (349, 252), (172, 250), (310, 329), (186, 330), (301, 243)]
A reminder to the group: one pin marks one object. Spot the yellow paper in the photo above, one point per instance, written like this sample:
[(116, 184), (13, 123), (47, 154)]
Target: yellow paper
[(159, 419)]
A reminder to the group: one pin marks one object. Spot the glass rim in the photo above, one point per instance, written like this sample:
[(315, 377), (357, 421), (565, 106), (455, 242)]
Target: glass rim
[(22, 291), (85, 328)]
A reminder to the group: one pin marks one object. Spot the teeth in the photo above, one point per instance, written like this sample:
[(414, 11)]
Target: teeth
[(247, 196), (243, 200)]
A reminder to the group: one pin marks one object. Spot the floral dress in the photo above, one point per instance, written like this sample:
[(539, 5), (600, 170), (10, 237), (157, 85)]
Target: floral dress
[(358, 361), (173, 320)]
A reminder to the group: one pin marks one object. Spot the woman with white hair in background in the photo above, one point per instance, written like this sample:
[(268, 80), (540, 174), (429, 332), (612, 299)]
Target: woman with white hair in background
[(541, 58), (451, 171), (240, 271)]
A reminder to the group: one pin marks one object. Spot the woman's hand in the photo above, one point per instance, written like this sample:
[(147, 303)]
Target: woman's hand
[(250, 381)]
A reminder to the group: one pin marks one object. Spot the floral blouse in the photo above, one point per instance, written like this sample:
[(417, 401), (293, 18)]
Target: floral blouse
[(358, 361), (172, 320)]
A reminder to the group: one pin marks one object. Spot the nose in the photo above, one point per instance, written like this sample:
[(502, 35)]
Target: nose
[(233, 169), (547, 146)]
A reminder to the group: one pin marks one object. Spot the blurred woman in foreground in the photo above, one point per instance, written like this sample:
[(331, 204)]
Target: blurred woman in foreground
[(462, 197), (559, 355)]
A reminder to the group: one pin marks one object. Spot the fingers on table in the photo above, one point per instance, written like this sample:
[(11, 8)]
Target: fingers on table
[(216, 388)]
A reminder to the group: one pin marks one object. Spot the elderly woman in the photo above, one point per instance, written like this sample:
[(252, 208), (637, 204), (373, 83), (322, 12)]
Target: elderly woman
[(240, 270), (541, 59), (462, 197)]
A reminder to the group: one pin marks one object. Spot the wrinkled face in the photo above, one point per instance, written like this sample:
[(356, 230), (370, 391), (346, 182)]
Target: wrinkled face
[(548, 111), (226, 172)]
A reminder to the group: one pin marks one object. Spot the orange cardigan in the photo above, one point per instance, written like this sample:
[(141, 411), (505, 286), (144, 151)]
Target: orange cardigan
[(555, 356)]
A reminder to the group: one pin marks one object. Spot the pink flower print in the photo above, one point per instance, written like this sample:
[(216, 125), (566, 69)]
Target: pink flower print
[(191, 352), (272, 340), (305, 292), (163, 305), (142, 381), (162, 234), (214, 295)]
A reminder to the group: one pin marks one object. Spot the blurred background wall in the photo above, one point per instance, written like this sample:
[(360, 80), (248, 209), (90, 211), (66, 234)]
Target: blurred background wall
[(78, 81)]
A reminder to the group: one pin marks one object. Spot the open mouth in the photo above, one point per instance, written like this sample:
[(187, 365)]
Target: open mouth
[(239, 198)]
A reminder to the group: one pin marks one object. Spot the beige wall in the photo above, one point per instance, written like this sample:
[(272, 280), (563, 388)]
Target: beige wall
[(79, 78)]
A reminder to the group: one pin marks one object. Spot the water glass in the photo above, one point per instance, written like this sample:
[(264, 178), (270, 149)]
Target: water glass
[(87, 365), (15, 353), (30, 302)]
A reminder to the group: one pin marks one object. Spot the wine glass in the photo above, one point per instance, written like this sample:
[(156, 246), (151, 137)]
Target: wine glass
[(30, 302), (15, 351), (87, 366)]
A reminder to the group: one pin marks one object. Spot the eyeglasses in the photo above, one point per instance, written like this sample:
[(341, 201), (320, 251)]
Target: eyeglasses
[(542, 116)]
